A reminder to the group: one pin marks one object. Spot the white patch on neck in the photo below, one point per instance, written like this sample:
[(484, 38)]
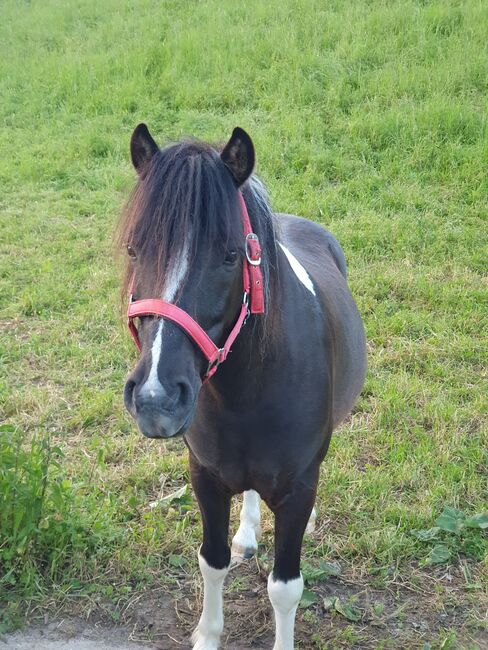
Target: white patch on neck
[(152, 384), (298, 269)]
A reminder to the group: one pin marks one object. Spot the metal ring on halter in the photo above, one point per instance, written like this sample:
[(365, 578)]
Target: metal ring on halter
[(252, 237), (215, 362)]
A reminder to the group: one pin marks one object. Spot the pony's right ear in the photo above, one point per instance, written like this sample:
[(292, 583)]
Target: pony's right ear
[(238, 156), (142, 147)]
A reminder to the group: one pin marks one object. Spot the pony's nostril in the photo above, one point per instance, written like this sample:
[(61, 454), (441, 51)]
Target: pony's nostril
[(140, 401), (184, 393), (129, 394)]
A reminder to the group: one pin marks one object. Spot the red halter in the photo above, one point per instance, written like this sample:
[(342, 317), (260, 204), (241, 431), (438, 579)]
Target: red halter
[(252, 302)]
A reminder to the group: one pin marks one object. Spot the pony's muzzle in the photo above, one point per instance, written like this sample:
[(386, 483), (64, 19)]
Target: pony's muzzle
[(156, 424), (159, 414)]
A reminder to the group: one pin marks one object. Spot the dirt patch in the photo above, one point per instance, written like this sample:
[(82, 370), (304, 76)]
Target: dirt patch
[(431, 609), (70, 634), (168, 622)]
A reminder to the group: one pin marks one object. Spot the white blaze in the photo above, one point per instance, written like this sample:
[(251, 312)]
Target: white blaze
[(177, 273), (298, 269)]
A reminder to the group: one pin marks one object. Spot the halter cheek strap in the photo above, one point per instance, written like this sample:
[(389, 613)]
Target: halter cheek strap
[(252, 302), (252, 276)]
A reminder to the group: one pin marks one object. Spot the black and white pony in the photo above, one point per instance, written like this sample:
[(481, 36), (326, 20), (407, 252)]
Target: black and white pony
[(262, 423)]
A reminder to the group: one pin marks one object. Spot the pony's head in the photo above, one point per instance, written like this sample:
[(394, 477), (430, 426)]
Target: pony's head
[(184, 238)]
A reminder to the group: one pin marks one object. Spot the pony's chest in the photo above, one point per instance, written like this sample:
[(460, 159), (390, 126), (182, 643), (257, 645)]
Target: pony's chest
[(251, 455)]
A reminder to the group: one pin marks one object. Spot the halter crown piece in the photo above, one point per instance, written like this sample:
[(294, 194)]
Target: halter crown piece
[(252, 302)]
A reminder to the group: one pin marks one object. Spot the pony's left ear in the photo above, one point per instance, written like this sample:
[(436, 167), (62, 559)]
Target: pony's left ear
[(238, 156), (142, 148)]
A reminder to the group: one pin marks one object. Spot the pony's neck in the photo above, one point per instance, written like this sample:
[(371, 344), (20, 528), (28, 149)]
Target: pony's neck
[(252, 353), (241, 374)]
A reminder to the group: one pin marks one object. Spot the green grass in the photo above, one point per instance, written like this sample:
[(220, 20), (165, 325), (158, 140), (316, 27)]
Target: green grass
[(367, 116)]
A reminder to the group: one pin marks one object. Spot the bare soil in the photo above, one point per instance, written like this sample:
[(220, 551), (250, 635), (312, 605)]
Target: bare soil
[(423, 612), (70, 634)]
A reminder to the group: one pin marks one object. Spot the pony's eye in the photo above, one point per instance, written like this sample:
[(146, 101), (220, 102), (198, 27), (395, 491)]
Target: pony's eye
[(230, 257), (131, 252)]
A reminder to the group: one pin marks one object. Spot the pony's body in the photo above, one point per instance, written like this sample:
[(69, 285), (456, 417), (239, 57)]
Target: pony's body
[(262, 424), (257, 420)]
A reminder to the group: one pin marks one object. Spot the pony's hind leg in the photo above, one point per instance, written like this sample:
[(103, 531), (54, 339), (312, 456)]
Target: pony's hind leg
[(245, 541), (214, 555), (285, 582), (311, 522)]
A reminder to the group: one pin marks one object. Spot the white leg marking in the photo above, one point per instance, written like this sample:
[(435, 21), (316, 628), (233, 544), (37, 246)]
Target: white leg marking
[(207, 633), (152, 384), (245, 541), (311, 522), (299, 269), (284, 597)]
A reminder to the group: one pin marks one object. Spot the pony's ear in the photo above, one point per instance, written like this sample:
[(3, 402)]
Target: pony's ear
[(238, 156), (142, 147)]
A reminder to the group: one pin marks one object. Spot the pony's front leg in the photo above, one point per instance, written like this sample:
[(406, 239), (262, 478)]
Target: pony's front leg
[(285, 582), (214, 555)]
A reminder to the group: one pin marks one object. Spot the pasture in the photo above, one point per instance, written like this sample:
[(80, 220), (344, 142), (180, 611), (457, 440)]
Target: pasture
[(368, 117)]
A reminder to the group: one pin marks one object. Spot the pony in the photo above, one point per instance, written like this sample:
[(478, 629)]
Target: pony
[(252, 349)]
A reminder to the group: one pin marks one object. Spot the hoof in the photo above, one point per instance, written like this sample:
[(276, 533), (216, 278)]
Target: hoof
[(245, 542), (240, 553), (249, 552)]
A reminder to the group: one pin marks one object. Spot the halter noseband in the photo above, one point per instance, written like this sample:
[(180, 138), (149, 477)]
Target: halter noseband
[(252, 302)]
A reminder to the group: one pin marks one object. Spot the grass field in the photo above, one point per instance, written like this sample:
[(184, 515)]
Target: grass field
[(367, 116)]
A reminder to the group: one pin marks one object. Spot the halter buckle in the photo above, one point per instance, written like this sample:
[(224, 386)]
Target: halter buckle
[(253, 249), (212, 366), (245, 302)]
